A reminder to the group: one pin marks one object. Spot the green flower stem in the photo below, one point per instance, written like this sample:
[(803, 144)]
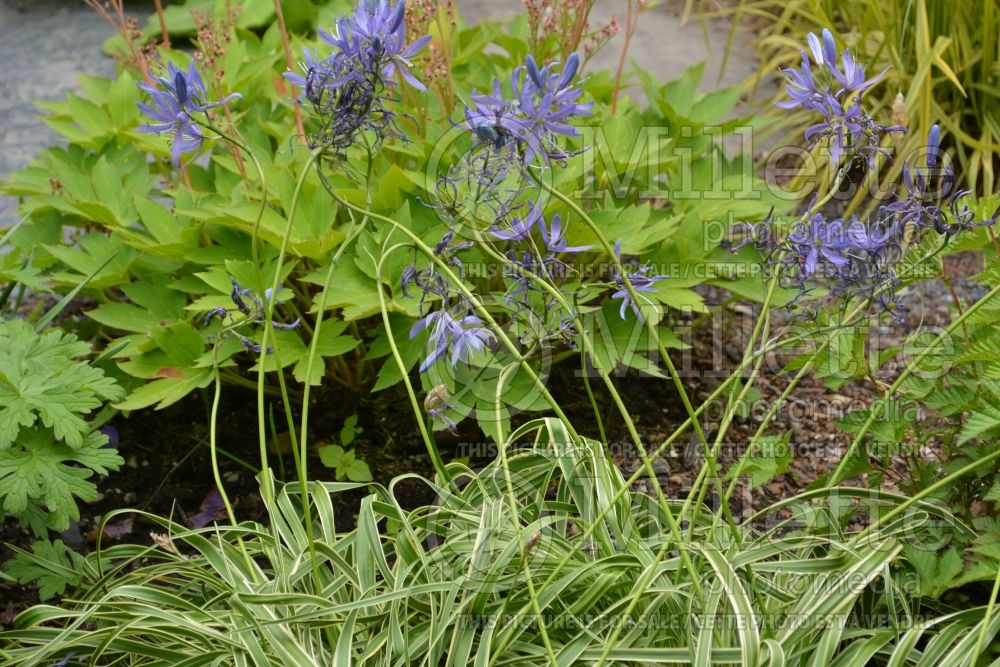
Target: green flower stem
[(985, 623), (647, 461), (266, 478), (760, 332), (479, 309), (355, 231), (432, 451), (515, 517), (593, 400), (653, 333), (267, 482), (213, 439), (314, 340), (213, 448)]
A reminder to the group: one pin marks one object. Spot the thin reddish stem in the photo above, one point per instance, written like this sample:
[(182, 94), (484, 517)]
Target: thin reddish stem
[(164, 35), (299, 127), (993, 239), (237, 155), (120, 25), (631, 20)]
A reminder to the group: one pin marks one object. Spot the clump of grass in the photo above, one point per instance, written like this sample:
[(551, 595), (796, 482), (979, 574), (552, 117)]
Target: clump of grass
[(546, 556)]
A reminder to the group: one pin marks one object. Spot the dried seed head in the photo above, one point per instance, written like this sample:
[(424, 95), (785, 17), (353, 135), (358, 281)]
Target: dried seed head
[(436, 399)]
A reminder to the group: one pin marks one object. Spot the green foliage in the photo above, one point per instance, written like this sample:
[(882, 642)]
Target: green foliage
[(768, 458), (51, 565), (350, 430), (943, 417), (48, 451), (345, 463), (548, 554), (44, 385), (169, 245), (545, 556)]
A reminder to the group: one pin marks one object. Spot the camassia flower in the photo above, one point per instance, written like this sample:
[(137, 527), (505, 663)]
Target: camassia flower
[(179, 95), (854, 258), (931, 198), (375, 38), (835, 92), (818, 238), (543, 103), (641, 282), (462, 337)]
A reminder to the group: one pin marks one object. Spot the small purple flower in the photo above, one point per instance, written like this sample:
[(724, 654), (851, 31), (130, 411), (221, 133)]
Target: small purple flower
[(933, 143), (347, 88), (178, 96), (555, 237), (547, 99), (821, 239), (542, 104), (375, 38), (495, 122), (845, 122), (805, 91), (446, 249), (931, 199), (640, 280), (312, 82), (408, 277), (519, 227), (852, 77), (464, 337)]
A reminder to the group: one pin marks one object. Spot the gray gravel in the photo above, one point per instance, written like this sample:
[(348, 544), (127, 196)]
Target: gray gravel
[(45, 45)]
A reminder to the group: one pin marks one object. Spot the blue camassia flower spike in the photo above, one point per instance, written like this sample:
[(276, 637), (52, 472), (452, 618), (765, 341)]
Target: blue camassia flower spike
[(347, 88), (835, 92), (543, 102), (375, 37), (179, 95)]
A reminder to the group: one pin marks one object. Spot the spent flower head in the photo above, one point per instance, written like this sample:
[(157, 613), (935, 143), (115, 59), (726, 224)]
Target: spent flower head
[(252, 309)]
